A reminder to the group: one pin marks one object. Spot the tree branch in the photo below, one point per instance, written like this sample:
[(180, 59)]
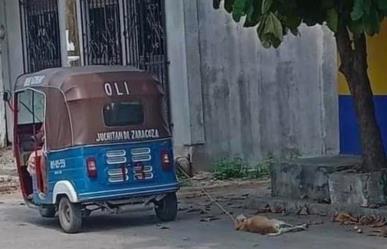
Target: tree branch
[(344, 46)]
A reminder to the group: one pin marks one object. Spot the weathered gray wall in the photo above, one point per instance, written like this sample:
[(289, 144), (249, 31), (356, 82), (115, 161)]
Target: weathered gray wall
[(254, 101), (12, 54), (2, 106)]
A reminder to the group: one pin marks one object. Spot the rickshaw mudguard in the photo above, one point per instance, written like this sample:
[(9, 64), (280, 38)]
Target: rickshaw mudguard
[(64, 188), (68, 175)]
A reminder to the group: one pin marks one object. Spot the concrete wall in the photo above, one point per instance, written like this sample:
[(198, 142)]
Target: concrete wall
[(12, 55), (2, 49), (252, 101)]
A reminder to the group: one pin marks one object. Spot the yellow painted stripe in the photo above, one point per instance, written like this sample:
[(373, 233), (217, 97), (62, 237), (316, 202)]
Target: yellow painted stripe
[(377, 64)]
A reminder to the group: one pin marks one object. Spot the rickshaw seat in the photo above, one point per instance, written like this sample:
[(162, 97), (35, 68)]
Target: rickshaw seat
[(27, 147)]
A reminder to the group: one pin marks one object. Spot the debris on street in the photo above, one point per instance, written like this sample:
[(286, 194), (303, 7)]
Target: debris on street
[(8, 180), (209, 219)]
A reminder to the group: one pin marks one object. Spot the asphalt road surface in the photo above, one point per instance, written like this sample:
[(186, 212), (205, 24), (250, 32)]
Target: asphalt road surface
[(22, 228)]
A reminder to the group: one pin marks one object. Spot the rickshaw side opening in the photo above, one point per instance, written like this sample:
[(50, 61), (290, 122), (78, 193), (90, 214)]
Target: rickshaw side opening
[(106, 142)]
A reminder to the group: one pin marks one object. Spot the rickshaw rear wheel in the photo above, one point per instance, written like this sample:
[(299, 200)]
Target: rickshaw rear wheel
[(70, 215), (47, 211), (166, 208)]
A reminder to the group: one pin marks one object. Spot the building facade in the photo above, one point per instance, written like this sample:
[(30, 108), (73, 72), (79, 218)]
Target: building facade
[(377, 66), (228, 95)]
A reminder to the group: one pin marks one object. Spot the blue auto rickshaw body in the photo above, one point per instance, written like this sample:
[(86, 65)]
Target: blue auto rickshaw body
[(113, 180)]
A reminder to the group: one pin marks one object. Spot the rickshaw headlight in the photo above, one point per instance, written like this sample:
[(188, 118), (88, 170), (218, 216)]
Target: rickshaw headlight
[(91, 167), (165, 160)]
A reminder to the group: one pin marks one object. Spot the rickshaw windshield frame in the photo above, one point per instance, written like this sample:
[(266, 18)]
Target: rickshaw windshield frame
[(35, 121)]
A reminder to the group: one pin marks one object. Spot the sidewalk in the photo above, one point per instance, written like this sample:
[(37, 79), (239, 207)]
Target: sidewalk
[(7, 162), (8, 174)]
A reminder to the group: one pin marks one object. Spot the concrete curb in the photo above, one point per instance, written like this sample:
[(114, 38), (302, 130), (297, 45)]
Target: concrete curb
[(294, 207), (192, 192)]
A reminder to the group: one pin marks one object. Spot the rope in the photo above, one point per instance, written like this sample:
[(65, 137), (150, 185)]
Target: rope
[(212, 199)]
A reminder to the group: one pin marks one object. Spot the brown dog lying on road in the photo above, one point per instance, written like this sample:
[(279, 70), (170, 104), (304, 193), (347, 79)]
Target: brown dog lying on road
[(265, 226)]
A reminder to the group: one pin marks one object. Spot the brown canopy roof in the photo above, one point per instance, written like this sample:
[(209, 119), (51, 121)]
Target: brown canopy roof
[(65, 78), (75, 97)]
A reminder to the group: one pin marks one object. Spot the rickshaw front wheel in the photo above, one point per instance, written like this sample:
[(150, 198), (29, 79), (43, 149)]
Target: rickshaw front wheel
[(47, 211), (70, 215), (166, 208)]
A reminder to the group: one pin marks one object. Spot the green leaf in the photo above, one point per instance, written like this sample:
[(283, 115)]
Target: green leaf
[(228, 5), (333, 19), (239, 9), (275, 26), (266, 5), (293, 22), (358, 10), (372, 22), (328, 4), (382, 4), (253, 15), (252, 19), (275, 18), (216, 4), (276, 43), (367, 6), (295, 32), (356, 27), (266, 43), (270, 31)]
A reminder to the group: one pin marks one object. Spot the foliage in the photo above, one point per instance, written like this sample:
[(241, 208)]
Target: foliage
[(383, 183), (230, 168), (238, 168), (183, 179), (276, 18), (185, 182), (262, 169)]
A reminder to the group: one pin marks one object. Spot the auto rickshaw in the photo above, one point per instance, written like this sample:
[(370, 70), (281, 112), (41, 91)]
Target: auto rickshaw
[(96, 137)]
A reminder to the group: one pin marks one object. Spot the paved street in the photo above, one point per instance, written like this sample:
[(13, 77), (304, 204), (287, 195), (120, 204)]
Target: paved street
[(23, 228)]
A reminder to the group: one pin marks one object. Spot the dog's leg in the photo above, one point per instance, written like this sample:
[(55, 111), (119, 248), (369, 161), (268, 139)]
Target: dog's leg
[(288, 228), (285, 225), (275, 234), (293, 228)]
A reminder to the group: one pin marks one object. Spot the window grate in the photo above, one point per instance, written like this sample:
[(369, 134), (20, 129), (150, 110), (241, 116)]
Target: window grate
[(40, 34)]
